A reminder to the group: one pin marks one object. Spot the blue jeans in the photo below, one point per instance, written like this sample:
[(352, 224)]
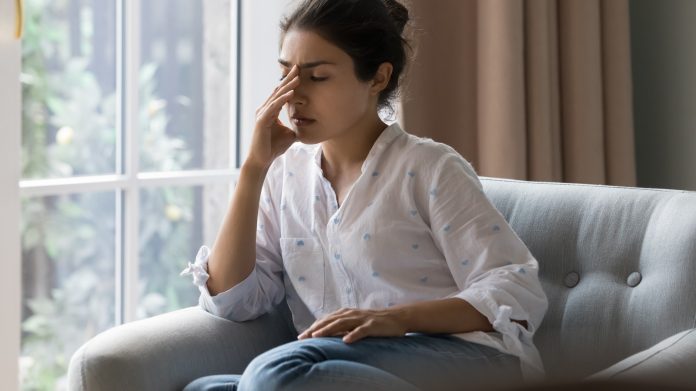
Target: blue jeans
[(415, 362)]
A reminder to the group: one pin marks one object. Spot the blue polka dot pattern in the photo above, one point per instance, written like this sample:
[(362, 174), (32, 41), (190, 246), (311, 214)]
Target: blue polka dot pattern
[(385, 226)]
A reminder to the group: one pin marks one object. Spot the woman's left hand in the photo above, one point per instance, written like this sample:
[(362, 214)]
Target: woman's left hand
[(355, 324)]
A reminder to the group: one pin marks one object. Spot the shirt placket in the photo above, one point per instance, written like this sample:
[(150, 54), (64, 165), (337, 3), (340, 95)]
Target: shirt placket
[(333, 234)]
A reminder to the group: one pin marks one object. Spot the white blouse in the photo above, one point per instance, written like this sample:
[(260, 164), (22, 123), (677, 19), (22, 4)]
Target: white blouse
[(414, 226)]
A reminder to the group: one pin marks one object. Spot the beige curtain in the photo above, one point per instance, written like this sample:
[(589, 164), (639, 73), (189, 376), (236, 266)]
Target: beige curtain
[(525, 89)]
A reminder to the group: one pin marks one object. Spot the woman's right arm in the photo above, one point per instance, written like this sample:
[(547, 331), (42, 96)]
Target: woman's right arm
[(233, 256)]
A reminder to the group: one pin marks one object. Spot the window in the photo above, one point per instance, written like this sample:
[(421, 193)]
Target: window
[(129, 154)]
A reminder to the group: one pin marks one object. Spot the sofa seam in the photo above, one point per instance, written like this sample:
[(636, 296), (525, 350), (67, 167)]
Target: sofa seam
[(652, 355), (572, 184)]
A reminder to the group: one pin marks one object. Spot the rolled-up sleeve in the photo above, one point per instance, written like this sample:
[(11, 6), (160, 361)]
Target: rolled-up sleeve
[(493, 269), (259, 292)]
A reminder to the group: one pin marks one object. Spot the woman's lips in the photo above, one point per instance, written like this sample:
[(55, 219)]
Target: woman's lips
[(302, 121)]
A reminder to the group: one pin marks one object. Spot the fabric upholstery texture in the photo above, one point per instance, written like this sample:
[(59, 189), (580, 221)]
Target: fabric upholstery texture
[(616, 263), (168, 351), (590, 240), (672, 360)]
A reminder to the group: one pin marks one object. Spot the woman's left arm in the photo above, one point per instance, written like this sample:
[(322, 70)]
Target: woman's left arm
[(446, 316), (496, 275), (452, 315)]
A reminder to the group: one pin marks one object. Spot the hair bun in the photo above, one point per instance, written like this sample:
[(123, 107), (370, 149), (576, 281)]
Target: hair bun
[(398, 13)]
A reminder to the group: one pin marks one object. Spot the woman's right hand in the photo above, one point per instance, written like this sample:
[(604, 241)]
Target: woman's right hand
[(271, 138)]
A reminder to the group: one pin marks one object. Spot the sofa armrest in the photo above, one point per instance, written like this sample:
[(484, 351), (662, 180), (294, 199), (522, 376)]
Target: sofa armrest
[(168, 351), (670, 362)]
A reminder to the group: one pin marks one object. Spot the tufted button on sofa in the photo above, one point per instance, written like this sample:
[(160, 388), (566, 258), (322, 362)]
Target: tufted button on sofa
[(617, 264)]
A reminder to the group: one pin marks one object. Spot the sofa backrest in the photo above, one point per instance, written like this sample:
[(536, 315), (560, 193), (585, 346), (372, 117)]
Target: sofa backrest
[(617, 264)]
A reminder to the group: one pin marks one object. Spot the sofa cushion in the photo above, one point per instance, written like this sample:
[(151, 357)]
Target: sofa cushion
[(672, 361), (617, 265)]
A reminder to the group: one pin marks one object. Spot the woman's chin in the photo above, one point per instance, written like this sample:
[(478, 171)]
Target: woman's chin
[(305, 137)]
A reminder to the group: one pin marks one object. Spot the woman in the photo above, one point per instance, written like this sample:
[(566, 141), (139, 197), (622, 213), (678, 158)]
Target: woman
[(398, 271)]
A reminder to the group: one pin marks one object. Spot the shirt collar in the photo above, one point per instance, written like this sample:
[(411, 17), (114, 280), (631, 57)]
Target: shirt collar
[(385, 138)]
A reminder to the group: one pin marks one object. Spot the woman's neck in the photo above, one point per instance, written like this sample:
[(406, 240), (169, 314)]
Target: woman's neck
[(346, 154)]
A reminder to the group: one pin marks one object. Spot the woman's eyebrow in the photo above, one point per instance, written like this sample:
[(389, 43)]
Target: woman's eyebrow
[(307, 64)]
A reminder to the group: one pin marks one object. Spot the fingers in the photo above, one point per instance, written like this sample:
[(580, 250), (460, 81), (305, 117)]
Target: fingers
[(272, 110), (281, 95), (316, 326), (358, 333), (319, 324), (339, 325), (289, 81)]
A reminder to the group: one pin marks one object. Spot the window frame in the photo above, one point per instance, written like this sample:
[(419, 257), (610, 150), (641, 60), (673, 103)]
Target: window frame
[(127, 182), (10, 166)]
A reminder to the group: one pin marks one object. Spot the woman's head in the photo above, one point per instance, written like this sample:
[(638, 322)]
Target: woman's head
[(362, 39)]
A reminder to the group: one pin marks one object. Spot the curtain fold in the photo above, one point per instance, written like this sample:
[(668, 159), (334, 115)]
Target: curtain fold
[(526, 89)]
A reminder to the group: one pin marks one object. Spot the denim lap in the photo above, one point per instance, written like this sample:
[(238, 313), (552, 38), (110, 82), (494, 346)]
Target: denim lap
[(419, 361), (214, 383)]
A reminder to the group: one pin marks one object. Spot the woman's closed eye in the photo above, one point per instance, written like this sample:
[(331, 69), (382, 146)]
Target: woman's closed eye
[(313, 78)]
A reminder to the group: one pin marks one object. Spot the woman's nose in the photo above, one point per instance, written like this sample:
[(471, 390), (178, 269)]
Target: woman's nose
[(299, 96)]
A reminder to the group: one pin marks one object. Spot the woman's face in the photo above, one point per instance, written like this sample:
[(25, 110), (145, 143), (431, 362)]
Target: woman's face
[(329, 92)]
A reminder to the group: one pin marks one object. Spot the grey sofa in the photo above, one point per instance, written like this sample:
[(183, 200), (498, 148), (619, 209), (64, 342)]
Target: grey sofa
[(618, 265)]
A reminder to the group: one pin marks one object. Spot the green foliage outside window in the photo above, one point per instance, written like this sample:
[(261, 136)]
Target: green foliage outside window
[(68, 249)]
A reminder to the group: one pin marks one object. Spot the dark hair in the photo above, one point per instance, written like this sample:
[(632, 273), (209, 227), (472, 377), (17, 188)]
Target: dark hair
[(369, 31)]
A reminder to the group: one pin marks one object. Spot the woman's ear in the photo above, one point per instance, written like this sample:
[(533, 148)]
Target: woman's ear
[(382, 77)]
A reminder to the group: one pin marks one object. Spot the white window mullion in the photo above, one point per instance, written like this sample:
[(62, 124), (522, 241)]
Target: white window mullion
[(97, 183), (120, 168), (131, 129), (235, 92), (235, 81)]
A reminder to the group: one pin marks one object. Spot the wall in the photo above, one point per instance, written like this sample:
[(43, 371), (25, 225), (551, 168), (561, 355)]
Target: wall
[(664, 78)]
